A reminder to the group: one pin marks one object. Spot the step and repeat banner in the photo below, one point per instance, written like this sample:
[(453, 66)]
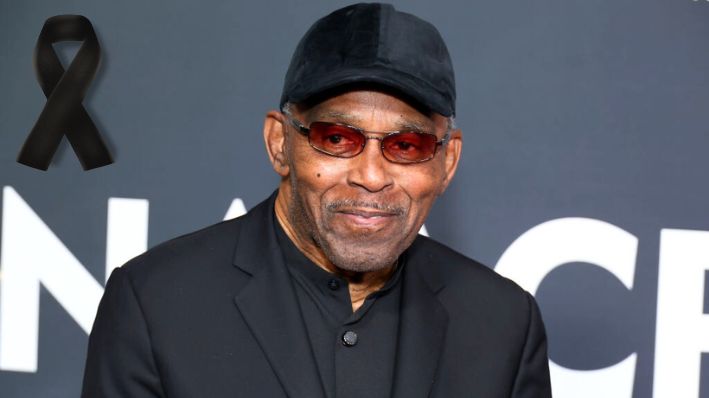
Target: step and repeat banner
[(584, 177)]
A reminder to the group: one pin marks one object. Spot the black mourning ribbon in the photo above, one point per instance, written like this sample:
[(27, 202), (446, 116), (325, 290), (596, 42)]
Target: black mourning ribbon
[(65, 90)]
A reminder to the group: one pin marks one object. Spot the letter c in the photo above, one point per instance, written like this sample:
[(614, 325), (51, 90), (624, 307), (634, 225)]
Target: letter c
[(553, 243)]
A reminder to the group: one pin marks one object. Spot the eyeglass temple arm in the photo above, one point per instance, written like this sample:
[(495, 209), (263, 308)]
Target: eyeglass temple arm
[(301, 129)]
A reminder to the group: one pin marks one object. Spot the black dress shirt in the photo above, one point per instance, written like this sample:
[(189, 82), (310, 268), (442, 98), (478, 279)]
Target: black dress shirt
[(354, 351)]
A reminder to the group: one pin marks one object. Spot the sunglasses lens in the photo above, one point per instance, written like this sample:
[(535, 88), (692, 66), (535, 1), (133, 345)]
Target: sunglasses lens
[(409, 147), (336, 139)]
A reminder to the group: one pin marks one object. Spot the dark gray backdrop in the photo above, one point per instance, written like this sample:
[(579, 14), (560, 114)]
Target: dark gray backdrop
[(594, 109)]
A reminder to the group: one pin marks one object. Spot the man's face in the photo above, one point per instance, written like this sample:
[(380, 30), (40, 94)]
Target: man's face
[(361, 212)]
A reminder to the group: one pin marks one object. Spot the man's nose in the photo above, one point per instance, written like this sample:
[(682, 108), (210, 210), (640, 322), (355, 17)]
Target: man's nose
[(369, 169)]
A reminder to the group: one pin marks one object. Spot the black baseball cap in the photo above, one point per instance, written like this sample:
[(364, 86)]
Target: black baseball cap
[(376, 44)]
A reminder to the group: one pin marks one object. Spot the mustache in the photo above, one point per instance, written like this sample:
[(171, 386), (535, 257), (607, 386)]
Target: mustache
[(346, 204)]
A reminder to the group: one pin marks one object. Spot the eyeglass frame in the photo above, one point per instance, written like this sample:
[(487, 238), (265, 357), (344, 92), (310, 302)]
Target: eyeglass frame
[(305, 131)]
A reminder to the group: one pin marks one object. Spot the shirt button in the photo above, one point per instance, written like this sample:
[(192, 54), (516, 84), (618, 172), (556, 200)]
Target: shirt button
[(349, 338), (333, 284)]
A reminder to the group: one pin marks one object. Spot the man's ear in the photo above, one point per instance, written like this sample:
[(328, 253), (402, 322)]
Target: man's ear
[(274, 135), (453, 151)]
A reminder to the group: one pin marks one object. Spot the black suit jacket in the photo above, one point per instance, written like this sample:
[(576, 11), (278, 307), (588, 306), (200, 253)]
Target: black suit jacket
[(213, 314)]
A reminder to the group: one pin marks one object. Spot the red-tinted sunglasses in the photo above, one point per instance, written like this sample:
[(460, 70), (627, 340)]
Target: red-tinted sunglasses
[(343, 141)]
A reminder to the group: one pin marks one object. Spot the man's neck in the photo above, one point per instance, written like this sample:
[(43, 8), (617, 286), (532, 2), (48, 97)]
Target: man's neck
[(361, 284)]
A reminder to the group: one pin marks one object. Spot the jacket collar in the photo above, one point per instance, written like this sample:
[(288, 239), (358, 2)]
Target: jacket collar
[(422, 326), (269, 306)]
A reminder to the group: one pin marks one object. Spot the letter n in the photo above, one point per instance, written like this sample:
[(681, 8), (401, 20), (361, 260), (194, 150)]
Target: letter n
[(32, 254)]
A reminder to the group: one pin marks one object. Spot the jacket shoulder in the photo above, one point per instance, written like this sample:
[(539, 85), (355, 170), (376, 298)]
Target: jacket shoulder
[(458, 272), (187, 256)]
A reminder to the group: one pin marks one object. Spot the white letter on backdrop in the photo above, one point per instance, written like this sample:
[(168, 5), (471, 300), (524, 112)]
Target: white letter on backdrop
[(554, 243), (126, 231), (32, 254), (682, 329)]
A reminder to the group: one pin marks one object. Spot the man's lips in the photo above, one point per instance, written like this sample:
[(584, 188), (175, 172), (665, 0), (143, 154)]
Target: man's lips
[(367, 213), (366, 217)]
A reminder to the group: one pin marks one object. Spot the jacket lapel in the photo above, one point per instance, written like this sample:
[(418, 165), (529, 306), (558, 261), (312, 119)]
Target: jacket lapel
[(269, 305), (422, 329)]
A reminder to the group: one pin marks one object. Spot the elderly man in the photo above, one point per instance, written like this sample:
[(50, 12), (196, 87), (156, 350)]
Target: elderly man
[(326, 289)]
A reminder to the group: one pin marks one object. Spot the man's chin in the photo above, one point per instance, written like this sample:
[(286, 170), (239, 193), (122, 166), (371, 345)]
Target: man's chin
[(364, 254), (372, 264)]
